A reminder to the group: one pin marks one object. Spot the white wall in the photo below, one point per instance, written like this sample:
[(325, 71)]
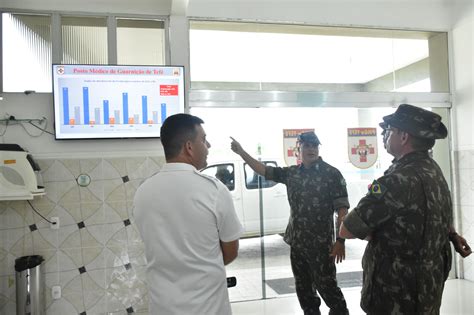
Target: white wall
[(463, 70), (40, 105), (463, 117)]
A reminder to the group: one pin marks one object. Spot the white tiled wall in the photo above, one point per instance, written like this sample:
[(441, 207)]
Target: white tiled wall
[(464, 204), (96, 256)]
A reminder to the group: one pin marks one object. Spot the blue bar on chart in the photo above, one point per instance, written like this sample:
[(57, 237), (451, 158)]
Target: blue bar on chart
[(155, 117), (136, 119), (125, 108), (97, 115), (66, 105), (77, 115), (106, 112), (144, 109), (85, 100), (163, 112)]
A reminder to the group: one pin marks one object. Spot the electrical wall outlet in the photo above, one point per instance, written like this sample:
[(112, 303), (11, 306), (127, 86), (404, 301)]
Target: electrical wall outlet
[(56, 292), (55, 223)]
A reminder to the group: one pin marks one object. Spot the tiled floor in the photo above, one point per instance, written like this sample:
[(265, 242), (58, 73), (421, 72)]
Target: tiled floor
[(458, 299), (458, 296), (248, 266)]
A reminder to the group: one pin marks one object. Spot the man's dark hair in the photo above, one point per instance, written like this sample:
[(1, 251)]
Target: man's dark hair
[(422, 144), (176, 130)]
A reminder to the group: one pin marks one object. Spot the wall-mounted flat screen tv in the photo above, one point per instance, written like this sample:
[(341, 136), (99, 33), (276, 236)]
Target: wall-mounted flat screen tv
[(107, 101)]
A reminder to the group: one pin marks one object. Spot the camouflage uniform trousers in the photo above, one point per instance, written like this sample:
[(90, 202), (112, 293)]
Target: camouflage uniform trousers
[(315, 271), (401, 287)]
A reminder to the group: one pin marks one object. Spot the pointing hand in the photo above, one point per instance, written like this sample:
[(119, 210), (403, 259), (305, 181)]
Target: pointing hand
[(235, 146)]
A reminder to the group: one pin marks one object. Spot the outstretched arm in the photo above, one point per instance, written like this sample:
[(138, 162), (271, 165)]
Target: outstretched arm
[(256, 165)]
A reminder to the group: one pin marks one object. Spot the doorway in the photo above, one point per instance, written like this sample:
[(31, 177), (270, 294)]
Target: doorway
[(263, 267)]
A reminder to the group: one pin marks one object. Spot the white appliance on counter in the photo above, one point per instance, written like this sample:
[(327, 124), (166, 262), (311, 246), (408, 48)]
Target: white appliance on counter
[(18, 174)]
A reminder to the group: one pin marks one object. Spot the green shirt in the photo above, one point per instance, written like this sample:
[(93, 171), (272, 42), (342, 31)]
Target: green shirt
[(314, 195), (407, 212)]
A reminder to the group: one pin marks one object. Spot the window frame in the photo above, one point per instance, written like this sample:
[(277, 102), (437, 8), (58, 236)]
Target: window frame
[(248, 95), (56, 35), (231, 185), (265, 183)]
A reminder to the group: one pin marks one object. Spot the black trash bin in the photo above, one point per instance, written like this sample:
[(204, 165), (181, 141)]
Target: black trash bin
[(29, 285)]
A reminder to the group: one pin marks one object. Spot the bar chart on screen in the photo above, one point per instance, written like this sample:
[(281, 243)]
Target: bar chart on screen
[(115, 101)]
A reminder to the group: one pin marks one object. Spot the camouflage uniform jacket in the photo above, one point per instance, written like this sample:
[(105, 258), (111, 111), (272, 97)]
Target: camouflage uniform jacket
[(314, 195), (407, 212)]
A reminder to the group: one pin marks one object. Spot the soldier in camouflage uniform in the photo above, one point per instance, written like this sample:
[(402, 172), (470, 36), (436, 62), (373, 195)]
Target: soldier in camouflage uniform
[(316, 191), (407, 218)]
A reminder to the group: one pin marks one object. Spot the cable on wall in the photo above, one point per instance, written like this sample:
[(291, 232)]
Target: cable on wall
[(51, 222), (11, 120)]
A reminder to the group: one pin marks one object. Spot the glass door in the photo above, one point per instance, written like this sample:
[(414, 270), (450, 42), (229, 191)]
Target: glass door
[(263, 267)]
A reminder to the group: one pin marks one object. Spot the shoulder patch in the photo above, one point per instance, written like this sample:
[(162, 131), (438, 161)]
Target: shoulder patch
[(377, 190)]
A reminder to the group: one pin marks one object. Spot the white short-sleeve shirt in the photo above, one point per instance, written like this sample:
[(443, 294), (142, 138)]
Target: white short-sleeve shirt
[(182, 215)]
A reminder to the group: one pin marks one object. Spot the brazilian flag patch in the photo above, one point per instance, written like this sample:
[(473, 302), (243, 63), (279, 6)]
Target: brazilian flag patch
[(377, 190)]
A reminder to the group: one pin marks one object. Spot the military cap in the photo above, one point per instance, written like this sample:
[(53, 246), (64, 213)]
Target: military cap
[(416, 121), (308, 137)]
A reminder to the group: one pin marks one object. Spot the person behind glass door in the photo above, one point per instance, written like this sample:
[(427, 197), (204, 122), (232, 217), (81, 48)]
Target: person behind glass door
[(225, 176), (316, 191), (407, 218), (189, 226)]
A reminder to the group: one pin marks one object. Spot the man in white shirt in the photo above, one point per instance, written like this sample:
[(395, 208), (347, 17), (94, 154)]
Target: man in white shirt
[(188, 224)]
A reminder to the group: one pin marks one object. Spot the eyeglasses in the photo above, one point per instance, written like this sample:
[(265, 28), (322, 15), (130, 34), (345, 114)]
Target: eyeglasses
[(387, 131)]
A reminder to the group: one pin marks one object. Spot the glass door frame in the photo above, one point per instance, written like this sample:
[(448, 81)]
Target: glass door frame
[(438, 102)]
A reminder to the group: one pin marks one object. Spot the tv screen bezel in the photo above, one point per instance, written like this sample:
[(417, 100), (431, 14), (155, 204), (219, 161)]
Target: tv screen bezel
[(55, 106)]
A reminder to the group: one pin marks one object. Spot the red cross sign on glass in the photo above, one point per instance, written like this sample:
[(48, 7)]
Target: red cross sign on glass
[(362, 146)]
